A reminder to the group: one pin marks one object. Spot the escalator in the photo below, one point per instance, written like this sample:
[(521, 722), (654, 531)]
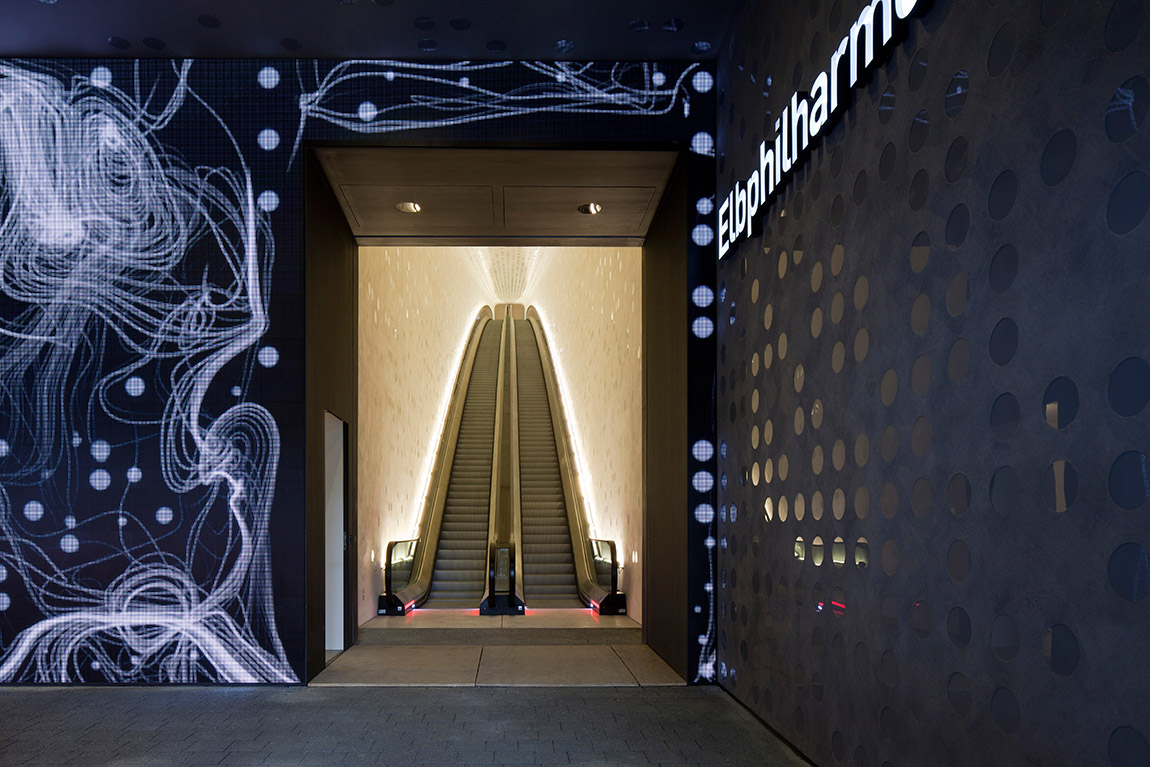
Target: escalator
[(458, 577), (563, 565), (446, 566), (548, 560), (503, 527)]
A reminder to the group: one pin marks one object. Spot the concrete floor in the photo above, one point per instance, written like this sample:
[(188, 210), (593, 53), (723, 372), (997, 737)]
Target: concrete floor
[(453, 648), (499, 666), (440, 687), (414, 727)]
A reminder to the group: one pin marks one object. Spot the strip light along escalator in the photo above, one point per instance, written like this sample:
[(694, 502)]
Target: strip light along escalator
[(447, 562), (562, 564), (548, 560), (461, 560)]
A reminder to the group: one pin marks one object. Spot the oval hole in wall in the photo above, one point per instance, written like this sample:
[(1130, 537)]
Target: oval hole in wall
[(1005, 491), (1060, 403), (958, 561), (1129, 479), (1005, 711), (958, 627), (958, 494), (957, 92), (838, 552), (1004, 640), (1004, 415), (921, 621), (1060, 649), (1058, 157), (1003, 268), (1059, 486), (1129, 571), (1126, 112), (1128, 388), (958, 693)]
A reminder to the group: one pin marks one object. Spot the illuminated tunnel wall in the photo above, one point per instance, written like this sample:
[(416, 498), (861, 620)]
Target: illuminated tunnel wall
[(416, 311), (596, 344), (932, 390), (151, 412)]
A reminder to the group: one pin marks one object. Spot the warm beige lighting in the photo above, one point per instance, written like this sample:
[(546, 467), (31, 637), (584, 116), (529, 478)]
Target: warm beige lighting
[(590, 208), (407, 207)]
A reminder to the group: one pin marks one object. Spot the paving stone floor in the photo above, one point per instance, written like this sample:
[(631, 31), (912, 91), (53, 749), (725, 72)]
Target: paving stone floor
[(382, 726)]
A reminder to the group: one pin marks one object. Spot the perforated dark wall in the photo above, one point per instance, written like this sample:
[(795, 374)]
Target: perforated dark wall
[(932, 388)]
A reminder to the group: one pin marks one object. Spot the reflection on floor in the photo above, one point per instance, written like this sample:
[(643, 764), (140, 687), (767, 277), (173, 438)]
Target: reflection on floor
[(547, 626), (435, 648)]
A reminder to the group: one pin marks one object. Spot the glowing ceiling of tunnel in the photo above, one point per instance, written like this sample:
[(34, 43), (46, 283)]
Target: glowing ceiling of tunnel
[(510, 273)]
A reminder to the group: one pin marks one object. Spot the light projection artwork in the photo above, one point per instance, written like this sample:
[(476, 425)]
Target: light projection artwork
[(463, 92), (151, 366), (98, 221)]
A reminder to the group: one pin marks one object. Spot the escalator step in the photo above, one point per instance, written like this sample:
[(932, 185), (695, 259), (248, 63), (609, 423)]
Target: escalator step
[(548, 561), (460, 561)]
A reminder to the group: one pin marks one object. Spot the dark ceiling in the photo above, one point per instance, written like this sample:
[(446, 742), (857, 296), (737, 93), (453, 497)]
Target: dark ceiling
[(624, 30), (528, 197)]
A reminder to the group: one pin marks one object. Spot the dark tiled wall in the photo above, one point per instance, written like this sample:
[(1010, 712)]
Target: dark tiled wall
[(932, 384)]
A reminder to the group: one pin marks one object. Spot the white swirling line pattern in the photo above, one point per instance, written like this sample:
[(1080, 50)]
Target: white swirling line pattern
[(96, 221), (559, 87), (98, 217)]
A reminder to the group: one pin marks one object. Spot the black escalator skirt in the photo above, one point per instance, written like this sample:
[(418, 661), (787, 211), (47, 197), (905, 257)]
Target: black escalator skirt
[(548, 562), (461, 559)]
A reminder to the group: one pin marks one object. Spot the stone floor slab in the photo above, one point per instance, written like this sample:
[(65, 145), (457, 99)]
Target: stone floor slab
[(401, 666), (647, 667), (548, 666)]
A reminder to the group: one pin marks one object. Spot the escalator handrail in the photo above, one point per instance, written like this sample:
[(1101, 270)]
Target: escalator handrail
[(516, 490), (614, 563), (511, 572), (431, 520), (387, 563), (496, 464), (586, 578)]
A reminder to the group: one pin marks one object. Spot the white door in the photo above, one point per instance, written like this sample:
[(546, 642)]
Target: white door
[(333, 429)]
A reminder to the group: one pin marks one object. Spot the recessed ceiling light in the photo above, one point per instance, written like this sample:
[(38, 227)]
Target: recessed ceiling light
[(407, 207), (590, 208)]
